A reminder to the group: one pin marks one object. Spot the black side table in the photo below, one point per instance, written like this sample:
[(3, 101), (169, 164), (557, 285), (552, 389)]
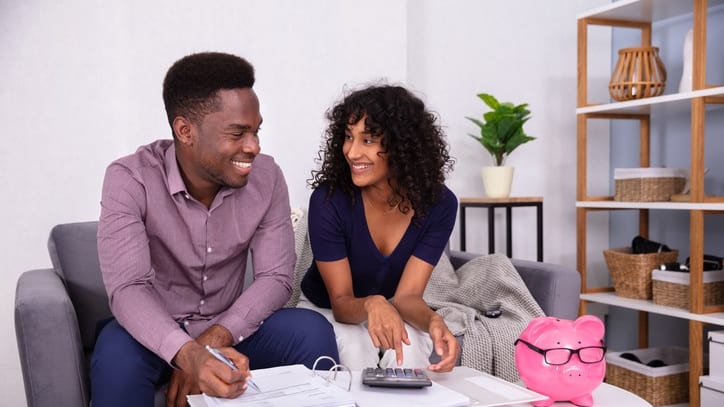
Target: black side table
[(508, 204)]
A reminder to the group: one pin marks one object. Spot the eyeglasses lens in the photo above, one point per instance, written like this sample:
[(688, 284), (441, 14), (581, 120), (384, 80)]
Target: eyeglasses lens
[(562, 356), (557, 356), (590, 355)]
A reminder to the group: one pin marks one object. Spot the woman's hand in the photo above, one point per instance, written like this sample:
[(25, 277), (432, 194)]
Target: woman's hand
[(445, 344), (385, 326)]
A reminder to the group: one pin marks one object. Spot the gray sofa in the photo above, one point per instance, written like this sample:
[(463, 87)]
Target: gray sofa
[(56, 311)]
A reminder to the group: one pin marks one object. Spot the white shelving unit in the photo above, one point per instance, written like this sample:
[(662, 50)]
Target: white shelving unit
[(715, 318), (682, 206), (666, 104), (704, 99)]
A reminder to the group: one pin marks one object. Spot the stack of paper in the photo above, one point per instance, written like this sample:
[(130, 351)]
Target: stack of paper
[(297, 386), (287, 386)]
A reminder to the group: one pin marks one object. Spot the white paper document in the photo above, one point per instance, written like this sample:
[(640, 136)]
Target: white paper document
[(431, 396), (485, 390), (297, 386), (288, 386)]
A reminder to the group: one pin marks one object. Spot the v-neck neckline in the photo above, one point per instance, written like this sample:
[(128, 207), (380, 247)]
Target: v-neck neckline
[(370, 240)]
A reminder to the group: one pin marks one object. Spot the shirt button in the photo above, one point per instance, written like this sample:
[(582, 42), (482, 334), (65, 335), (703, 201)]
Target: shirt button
[(202, 302), (241, 338), (186, 323), (206, 278), (209, 250), (187, 196)]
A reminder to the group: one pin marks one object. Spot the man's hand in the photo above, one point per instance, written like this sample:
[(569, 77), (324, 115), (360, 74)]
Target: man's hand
[(445, 344), (202, 372), (385, 326), (180, 385)]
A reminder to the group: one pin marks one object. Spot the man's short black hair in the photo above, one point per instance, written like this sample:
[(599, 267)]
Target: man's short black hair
[(190, 86)]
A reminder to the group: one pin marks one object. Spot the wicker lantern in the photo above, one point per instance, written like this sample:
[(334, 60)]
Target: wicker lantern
[(639, 73)]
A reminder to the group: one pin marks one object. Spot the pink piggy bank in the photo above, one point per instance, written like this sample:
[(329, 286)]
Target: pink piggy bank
[(562, 359)]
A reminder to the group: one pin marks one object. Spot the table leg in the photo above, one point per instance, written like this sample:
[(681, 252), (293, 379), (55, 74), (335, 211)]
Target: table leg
[(539, 215), (509, 231), (491, 230), (462, 227)]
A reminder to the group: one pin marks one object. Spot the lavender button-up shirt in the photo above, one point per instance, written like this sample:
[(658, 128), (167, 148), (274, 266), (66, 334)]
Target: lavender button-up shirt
[(168, 260)]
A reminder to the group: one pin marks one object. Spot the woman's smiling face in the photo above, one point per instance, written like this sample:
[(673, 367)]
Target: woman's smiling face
[(365, 155)]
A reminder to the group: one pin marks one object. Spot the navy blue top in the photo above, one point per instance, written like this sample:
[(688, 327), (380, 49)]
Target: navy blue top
[(338, 229)]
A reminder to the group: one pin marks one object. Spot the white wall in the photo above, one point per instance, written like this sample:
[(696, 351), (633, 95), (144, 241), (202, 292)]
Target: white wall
[(521, 51), (81, 85)]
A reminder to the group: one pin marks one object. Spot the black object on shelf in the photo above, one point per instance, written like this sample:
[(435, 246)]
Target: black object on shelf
[(674, 267), (640, 245), (652, 363), (711, 262)]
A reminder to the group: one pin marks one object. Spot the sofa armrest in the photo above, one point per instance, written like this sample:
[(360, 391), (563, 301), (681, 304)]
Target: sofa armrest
[(556, 288), (49, 343)]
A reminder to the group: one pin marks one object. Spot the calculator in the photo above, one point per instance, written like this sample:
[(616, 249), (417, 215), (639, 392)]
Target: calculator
[(395, 377)]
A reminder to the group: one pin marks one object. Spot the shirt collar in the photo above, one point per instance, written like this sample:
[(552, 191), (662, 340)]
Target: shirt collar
[(173, 175)]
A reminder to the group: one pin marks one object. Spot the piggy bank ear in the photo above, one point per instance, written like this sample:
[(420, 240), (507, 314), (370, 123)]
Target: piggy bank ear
[(537, 326), (590, 323)]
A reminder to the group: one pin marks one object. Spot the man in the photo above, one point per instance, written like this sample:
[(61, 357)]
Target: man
[(178, 220)]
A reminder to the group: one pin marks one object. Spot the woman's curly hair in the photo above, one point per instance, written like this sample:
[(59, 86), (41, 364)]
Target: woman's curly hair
[(417, 153)]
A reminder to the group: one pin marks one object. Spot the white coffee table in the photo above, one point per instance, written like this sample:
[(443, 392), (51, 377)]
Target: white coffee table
[(605, 394)]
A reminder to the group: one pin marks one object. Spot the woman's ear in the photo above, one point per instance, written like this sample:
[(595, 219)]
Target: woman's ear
[(182, 128)]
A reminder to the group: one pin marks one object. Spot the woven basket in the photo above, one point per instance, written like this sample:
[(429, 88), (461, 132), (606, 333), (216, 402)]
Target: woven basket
[(657, 385), (639, 73), (631, 273), (676, 294), (648, 189)]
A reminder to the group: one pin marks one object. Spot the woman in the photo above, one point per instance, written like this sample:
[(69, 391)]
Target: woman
[(380, 217)]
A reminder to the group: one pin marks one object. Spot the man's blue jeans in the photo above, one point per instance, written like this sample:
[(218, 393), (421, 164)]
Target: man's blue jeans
[(125, 373)]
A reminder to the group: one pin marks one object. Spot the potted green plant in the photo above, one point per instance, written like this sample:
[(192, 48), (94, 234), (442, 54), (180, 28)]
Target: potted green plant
[(501, 132)]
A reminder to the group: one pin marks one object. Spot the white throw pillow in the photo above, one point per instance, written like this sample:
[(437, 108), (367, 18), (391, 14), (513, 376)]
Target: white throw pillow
[(303, 250)]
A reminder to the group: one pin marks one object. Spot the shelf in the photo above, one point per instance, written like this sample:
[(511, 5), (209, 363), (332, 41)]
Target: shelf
[(684, 108), (665, 105), (648, 11), (716, 318), (687, 206)]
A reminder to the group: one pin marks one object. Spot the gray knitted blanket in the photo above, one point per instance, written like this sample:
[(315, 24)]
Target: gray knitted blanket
[(461, 297)]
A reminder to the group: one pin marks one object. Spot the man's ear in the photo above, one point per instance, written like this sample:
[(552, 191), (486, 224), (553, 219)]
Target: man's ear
[(183, 129)]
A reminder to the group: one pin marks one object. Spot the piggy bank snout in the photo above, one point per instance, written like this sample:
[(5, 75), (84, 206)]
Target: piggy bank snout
[(574, 372)]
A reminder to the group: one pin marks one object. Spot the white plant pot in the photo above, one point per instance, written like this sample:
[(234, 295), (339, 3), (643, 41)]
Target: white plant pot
[(497, 181), (685, 85)]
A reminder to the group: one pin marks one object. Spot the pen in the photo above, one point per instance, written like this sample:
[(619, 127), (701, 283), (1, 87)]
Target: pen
[(220, 356)]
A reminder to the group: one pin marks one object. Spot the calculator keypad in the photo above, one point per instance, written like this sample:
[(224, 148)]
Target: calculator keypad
[(395, 377)]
